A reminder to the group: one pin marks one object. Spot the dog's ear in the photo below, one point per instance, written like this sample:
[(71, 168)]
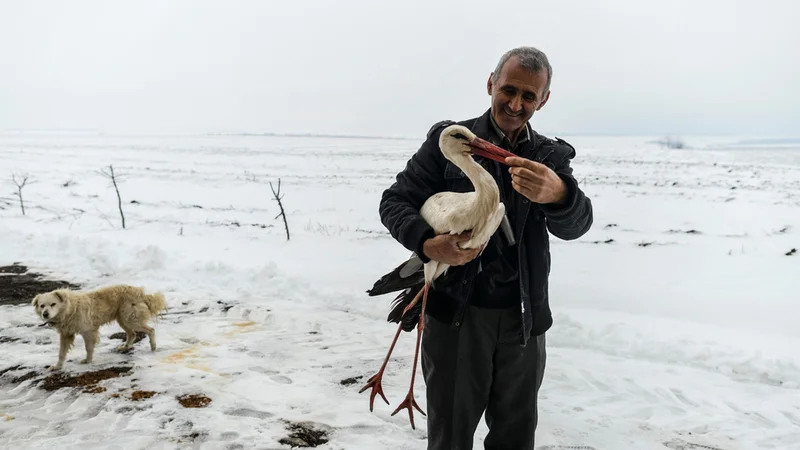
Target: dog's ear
[(35, 301), (60, 296)]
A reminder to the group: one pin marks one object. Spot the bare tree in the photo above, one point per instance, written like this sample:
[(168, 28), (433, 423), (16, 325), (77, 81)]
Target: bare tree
[(20, 181), (279, 197), (113, 177)]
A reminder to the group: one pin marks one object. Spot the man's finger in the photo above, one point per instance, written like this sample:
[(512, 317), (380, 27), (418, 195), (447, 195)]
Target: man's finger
[(465, 236), (516, 161), (526, 182)]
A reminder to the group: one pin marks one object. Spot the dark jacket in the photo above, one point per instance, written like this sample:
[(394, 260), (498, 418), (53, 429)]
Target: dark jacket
[(428, 172)]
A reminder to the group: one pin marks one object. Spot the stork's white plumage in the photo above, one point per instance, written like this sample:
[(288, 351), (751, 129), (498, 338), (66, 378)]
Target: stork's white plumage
[(479, 211)]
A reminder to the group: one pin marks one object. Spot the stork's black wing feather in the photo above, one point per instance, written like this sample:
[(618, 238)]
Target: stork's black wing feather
[(409, 273), (410, 278), (400, 303)]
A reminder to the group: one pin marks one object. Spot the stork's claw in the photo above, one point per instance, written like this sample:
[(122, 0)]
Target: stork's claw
[(377, 388), (408, 403)]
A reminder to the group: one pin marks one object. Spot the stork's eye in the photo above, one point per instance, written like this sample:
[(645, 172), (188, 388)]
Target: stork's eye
[(460, 136)]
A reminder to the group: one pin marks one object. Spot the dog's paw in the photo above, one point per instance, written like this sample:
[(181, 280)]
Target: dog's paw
[(54, 368), (86, 361)]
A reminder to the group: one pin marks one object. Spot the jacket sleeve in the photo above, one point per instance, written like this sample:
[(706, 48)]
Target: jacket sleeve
[(574, 218), (399, 207)]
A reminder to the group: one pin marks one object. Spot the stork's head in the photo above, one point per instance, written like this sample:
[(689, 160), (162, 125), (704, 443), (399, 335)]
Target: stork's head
[(458, 140)]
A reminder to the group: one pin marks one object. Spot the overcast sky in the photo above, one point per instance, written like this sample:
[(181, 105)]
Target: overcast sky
[(370, 67)]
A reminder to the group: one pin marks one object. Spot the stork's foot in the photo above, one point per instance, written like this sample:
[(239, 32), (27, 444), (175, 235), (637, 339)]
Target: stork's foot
[(409, 403), (377, 389)]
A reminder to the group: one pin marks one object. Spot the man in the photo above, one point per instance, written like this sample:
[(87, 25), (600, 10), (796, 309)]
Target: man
[(483, 349)]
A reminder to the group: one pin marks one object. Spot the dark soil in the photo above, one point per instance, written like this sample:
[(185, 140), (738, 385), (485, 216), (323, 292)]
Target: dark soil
[(194, 401), (350, 381), (303, 435), (87, 380), (142, 395), (18, 286), (10, 369), (26, 377)]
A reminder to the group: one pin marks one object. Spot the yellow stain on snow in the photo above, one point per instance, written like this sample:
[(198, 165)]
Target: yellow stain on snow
[(8, 417), (190, 357), (241, 327)]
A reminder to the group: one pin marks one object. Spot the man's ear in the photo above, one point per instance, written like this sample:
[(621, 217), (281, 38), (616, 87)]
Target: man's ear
[(546, 98), (489, 84)]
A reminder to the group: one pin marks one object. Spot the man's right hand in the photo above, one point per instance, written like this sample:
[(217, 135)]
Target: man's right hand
[(444, 248)]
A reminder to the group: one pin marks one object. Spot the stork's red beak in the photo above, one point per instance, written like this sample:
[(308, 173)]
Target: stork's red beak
[(486, 149)]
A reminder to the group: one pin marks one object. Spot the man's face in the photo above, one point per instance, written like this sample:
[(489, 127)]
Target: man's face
[(516, 95)]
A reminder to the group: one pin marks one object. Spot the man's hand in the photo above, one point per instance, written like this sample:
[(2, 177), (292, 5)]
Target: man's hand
[(444, 248), (537, 182)]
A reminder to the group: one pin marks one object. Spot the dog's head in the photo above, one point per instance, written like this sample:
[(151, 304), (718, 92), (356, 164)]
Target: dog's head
[(48, 306)]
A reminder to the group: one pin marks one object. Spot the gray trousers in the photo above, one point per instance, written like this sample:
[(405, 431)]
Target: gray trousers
[(481, 367)]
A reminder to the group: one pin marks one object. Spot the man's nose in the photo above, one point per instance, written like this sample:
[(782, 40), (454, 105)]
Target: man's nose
[(516, 104)]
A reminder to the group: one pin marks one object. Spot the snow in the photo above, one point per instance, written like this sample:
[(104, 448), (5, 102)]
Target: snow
[(675, 316)]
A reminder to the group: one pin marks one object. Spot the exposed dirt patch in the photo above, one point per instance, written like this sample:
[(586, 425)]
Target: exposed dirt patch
[(15, 268), (194, 401), (351, 381), (304, 434), (10, 369), (95, 390), (684, 231), (87, 380), (26, 377), (6, 339), (791, 252), (18, 286), (197, 436), (142, 395)]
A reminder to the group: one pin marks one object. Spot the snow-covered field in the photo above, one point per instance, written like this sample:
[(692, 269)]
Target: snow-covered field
[(676, 317)]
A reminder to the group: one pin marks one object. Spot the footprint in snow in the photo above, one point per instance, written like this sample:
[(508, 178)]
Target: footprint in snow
[(273, 375), (245, 412)]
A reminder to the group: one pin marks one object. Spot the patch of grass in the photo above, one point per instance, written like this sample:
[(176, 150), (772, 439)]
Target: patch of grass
[(142, 395), (194, 401)]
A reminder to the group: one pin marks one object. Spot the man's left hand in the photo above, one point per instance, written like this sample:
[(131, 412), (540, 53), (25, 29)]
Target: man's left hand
[(537, 182)]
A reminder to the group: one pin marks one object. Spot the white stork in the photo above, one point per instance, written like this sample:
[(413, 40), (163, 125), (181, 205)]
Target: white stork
[(479, 211)]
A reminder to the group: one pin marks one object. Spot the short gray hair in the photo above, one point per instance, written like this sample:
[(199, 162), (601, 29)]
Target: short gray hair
[(530, 58)]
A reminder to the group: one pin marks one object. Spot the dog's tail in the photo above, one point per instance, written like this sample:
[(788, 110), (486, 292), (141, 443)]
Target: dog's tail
[(155, 303)]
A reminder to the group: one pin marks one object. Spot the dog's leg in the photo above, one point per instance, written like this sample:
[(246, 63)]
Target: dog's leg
[(90, 339), (66, 345), (151, 335), (130, 336)]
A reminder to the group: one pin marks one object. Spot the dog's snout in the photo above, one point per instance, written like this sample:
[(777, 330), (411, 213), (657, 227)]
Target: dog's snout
[(45, 314)]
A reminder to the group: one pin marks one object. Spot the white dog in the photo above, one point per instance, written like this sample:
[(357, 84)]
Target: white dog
[(84, 312)]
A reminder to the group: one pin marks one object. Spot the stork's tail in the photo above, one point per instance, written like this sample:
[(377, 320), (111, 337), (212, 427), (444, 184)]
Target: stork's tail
[(400, 303), (408, 274)]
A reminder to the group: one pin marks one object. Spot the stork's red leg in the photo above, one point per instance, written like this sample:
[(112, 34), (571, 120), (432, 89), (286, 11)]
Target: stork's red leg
[(375, 381), (409, 402)]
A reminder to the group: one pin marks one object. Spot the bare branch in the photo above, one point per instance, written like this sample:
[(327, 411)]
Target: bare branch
[(278, 197), (20, 181), (113, 177)]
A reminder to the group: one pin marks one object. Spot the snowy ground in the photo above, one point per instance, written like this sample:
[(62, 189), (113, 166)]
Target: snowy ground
[(676, 317)]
